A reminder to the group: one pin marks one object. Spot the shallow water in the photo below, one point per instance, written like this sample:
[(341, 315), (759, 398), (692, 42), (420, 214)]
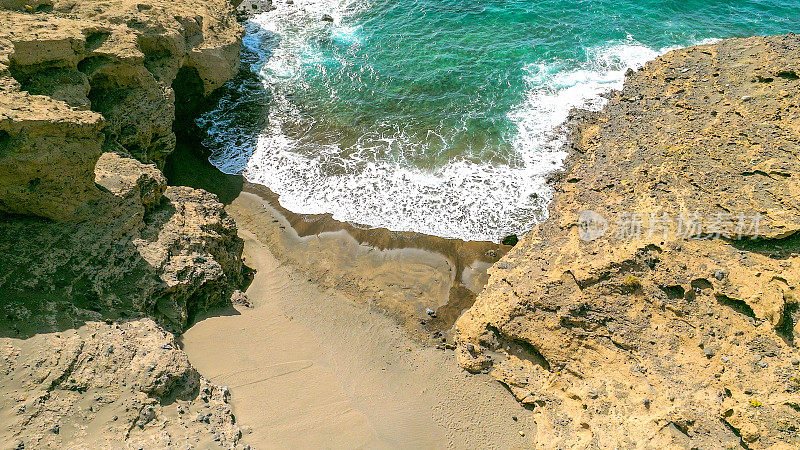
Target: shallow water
[(441, 116)]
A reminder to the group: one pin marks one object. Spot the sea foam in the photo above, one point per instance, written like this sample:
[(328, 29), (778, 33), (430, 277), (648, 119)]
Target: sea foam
[(464, 199)]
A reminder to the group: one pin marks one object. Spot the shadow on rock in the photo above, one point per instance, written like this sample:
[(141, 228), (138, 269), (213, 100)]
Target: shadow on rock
[(167, 258)]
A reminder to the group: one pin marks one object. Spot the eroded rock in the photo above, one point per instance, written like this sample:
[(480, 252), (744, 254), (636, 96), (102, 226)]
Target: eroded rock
[(664, 337), (87, 108), (77, 79), (93, 239), (108, 385), (169, 261)]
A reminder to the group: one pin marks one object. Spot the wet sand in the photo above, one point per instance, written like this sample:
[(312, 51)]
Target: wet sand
[(339, 348), (405, 275), (308, 367)]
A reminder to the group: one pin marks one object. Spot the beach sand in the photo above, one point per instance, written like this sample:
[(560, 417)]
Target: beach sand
[(338, 350), (312, 364)]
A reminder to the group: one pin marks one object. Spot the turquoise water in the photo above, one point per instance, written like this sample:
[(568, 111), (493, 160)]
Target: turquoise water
[(442, 116)]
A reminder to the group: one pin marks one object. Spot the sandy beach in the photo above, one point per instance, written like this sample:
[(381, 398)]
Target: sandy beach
[(310, 366), (405, 224)]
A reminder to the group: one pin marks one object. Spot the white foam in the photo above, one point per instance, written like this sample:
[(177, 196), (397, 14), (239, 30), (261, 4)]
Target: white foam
[(462, 199)]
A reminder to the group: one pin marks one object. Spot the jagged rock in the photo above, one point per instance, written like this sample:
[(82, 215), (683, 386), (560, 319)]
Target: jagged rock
[(105, 385), (240, 298), (128, 178), (249, 8), (36, 138), (179, 257), (586, 327), (197, 251), (88, 96), (76, 78), (87, 104)]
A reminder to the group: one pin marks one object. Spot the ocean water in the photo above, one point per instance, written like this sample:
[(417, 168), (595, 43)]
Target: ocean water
[(441, 116)]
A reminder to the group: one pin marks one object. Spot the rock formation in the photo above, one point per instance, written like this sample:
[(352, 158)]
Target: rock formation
[(658, 305), (101, 385), (92, 238), (78, 79), (88, 98), (167, 263)]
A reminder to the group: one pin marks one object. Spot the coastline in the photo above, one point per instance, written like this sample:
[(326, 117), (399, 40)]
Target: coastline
[(348, 308), (308, 365), (659, 337), (403, 274), (124, 322)]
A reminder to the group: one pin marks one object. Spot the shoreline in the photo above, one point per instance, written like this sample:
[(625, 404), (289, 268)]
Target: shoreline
[(306, 365), (338, 348), (471, 199), (124, 323), (442, 275)]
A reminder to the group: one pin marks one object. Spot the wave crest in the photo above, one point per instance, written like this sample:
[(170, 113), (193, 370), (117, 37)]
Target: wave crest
[(463, 198)]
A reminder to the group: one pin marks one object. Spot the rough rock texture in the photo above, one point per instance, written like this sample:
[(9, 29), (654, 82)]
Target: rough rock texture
[(77, 78), (88, 96), (179, 257), (102, 385), (91, 234), (248, 8), (684, 334)]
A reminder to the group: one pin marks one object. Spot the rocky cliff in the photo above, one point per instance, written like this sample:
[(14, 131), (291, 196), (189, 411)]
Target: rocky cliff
[(658, 305), (92, 238), (88, 96), (81, 78)]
